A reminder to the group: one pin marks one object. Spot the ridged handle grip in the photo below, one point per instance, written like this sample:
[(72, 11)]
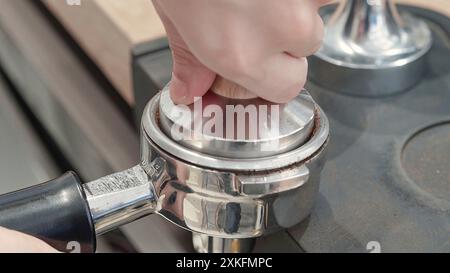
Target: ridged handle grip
[(56, 212)]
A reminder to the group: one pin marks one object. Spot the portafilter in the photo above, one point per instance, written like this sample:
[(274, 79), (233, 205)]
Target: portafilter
[(231, 167)]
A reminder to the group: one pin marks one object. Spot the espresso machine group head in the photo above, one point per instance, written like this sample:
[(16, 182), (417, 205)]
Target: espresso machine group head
[(257, 175)]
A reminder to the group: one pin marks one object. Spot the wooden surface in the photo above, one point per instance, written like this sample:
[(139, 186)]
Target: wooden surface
[(90, 131), (109, 29), (230, 89)]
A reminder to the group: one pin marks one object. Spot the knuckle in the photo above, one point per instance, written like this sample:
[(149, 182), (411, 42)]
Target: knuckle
[(233, 60), (303, 24), (307, 30)]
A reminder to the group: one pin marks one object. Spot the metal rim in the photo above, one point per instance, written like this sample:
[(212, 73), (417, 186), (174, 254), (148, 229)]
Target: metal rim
[(416, 28), (295, 129), (152, 130), (397, 64)]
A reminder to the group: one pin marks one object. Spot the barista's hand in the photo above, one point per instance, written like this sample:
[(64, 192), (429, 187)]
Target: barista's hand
[(259, 44), (16, 242)]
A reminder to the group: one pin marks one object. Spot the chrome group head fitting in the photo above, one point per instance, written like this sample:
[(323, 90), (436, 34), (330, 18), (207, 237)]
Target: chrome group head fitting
[(370, 49)]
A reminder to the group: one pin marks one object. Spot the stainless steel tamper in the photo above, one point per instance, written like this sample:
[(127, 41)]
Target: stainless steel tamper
[(370, 49), (228, 185)]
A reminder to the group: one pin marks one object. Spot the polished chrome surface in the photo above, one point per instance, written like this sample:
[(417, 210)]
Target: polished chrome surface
[(96, 138), (216, 203), (225, 199), (372, 35), (367, 40), (234, 198), (230, 205), (123, 197), (258, 128), (152, 129), (207, 244)]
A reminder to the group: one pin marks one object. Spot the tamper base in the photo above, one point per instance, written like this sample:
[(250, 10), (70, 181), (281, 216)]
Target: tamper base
[(370, 49)]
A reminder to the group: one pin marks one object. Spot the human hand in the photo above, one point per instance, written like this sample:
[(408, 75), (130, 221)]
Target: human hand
[(15, 242), (258, 44)]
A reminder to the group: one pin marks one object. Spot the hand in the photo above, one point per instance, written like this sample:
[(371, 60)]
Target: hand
[(16, 242), (258, 44)]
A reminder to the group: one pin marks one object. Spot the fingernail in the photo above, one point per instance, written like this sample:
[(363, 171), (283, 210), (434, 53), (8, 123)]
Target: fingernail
[(179, 91)]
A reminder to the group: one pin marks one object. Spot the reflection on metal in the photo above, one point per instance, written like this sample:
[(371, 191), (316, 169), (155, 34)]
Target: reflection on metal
[(230, 198), (370, 49), (207, 244), (295, 122), (120, 198), (234, 197), (354, 182), (230, 201)]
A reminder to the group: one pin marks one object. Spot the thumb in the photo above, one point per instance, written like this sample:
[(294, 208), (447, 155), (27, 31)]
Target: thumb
[(16, 242), (190, 78)]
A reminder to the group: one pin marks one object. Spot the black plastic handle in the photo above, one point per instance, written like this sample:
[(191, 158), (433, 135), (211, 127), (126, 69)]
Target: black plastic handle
[(56, 212)]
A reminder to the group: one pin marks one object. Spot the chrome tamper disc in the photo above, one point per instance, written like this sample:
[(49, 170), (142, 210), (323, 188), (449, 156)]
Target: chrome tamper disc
[(249, 128)]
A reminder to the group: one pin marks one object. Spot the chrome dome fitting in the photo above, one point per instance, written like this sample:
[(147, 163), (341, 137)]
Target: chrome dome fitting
[(230, 190), (370, 49)]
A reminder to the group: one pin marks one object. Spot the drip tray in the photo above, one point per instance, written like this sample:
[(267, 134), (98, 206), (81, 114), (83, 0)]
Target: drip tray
[(386, 184)]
